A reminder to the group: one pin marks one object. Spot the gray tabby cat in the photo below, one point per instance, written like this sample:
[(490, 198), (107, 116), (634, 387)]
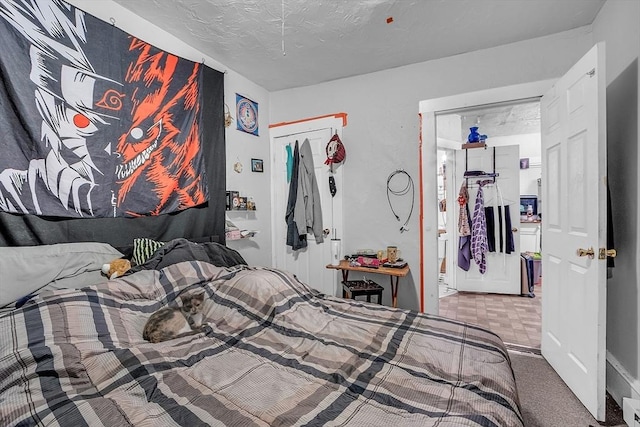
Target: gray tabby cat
[(173, 322)]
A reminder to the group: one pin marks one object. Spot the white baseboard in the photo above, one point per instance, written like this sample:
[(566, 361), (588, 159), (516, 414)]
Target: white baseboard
[(619, 382)]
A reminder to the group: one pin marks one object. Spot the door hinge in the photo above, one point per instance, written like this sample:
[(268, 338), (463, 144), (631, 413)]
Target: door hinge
[(603, 253), (592, 72)]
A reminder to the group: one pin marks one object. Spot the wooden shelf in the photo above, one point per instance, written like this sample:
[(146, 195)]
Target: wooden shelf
[(474, 145)]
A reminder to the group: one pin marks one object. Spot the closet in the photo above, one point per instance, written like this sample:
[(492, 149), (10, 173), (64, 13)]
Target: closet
[(513, 141)]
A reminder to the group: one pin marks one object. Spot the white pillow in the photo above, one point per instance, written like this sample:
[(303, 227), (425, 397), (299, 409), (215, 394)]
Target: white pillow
[(26, 269)]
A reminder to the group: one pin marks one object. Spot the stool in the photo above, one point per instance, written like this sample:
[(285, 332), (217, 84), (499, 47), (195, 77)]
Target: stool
[(362, 287)]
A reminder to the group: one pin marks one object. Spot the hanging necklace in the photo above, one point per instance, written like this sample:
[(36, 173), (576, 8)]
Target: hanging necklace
[(401, 192)]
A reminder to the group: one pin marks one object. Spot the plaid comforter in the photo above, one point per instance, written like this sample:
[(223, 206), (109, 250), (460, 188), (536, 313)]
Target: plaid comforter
[(274, 353)]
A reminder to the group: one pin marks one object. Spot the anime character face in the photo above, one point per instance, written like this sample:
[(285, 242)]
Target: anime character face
[(70, 118), (153, 152), (65, 87)]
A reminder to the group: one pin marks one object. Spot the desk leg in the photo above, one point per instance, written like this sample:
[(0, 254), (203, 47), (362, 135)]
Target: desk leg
[(345, 277), (394, 290)]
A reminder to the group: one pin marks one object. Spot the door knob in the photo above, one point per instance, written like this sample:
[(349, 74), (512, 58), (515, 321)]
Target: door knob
[(604, 253), (586, 252), (514, 230)]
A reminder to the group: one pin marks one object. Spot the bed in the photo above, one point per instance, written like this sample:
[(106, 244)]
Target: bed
[(274, 352)]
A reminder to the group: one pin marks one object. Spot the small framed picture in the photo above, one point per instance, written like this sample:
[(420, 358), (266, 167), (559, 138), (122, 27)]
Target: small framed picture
[(256, 165), (524, 163), (247, 115)]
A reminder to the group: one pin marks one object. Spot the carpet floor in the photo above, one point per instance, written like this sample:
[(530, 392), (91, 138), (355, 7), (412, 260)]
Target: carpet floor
[(546, 401)]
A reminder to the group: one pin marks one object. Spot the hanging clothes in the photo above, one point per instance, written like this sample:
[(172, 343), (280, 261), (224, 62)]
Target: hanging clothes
[(489, 215), (464, 229), (308, 210), (294, 239), (509, 244), (289, 162), (479, 245), (503, 229)]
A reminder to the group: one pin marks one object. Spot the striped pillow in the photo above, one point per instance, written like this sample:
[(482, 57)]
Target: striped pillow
[(143, 248)]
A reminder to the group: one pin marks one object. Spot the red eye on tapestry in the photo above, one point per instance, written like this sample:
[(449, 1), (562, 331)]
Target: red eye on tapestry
[(81, 121)]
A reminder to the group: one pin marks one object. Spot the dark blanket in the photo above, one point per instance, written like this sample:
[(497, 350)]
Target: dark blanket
[(178, 250)]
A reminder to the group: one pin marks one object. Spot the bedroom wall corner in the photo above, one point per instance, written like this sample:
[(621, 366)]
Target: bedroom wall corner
[(239, 145)]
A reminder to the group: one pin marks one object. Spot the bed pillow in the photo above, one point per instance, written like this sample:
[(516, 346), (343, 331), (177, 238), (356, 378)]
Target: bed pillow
[(28, 269), (143, 249)]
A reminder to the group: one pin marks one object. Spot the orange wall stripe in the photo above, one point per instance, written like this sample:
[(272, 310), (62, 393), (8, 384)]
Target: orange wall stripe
[(336, 115), (421, 215)]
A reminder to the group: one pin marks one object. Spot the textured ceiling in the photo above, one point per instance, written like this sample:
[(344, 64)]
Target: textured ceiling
[(281, 44), (504, 120)]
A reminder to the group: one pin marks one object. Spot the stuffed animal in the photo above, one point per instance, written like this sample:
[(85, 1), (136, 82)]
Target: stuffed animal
[(116, 268)]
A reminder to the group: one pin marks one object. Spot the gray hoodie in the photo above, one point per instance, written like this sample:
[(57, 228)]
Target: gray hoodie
[(308, 210)]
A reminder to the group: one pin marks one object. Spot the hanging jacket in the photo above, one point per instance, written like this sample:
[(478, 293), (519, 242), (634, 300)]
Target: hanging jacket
[(294, 239), (308, 210), (289, 162)]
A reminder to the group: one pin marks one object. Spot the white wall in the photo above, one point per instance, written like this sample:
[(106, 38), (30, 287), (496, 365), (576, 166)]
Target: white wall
[(243, 147), (618, 25), (239, 145), (382, 134)]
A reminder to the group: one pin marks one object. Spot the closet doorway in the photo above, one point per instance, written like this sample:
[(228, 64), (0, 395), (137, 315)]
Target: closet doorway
[(309, 263), (512, 152)]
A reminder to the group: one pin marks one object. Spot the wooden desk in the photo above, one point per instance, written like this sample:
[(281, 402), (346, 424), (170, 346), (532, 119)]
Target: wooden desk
[(394, 274)]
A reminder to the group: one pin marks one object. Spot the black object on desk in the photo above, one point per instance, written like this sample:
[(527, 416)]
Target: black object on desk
[(362, 287)]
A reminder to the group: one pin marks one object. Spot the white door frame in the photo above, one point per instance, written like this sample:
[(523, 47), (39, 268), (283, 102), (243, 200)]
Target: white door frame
[(335, 121), (428, 166)]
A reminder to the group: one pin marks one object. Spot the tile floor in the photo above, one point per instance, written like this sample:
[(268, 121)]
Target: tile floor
[(516, 319)]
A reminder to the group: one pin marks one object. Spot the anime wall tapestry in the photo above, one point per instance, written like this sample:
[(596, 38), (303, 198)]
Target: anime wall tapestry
[(94, 122)]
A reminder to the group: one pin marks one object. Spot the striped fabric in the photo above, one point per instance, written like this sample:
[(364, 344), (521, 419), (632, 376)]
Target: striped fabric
[(274, 353), (143, 248)]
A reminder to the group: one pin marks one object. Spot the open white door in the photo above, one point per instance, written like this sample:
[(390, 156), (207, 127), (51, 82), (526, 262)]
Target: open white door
[(503, 270), (574, 217), (308, 264)]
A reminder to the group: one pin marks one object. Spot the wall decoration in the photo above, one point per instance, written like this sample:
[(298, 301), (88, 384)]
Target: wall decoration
[(227, 116), (247, 115), (93, 127), (257, 165), (524, 163)]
